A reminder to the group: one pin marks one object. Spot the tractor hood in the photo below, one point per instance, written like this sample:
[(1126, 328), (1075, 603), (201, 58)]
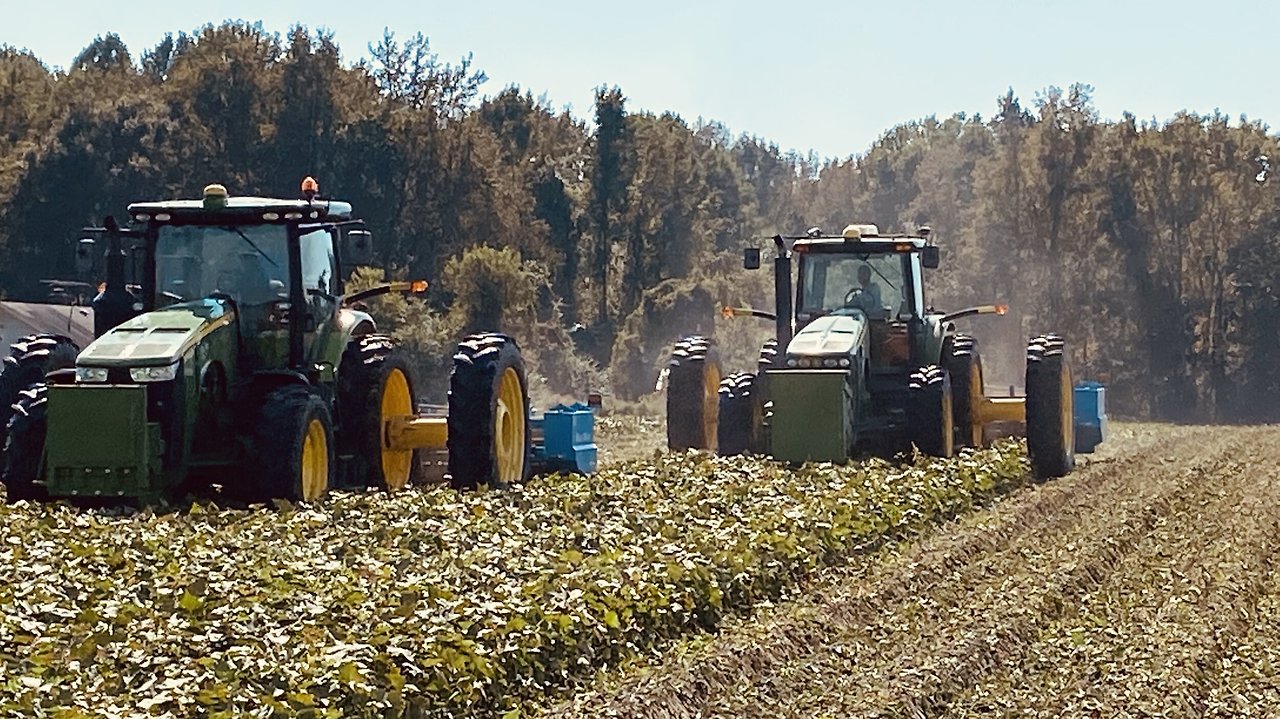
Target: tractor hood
[(158, 338), (829, 335)]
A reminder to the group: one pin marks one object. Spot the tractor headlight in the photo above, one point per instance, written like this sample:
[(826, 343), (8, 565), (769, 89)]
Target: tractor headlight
[(153, 374), (91, 374), (792, 362), (844, 362), (829, 362)]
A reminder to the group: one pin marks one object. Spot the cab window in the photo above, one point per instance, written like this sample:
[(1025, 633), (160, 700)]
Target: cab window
[(319, 273)]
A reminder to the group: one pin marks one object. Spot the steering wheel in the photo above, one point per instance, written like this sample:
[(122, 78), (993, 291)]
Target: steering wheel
[(853, 295)]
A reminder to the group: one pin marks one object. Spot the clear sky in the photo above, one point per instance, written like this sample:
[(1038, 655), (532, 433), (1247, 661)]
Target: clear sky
[(827, 76)]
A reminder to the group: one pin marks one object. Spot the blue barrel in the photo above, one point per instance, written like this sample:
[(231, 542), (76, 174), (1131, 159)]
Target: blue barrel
[(1090, 416)]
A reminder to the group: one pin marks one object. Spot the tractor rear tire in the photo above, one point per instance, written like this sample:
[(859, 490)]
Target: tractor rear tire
[(30, 359), (930, 411), (741, 426), (964, 366), (24, 445), (1050, 408), (489, 439), (768, 353), (292, 445), (693, 400), (374, 383)]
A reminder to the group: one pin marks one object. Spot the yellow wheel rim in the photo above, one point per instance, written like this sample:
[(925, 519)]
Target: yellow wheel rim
[(1067, 407), (509, 428), (710, 405), (315, 462), (397, 401), (948, 426), (976, 397)]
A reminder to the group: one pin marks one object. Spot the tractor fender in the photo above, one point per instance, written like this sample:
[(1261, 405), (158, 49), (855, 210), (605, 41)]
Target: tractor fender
[(333, 338), (936, 331)]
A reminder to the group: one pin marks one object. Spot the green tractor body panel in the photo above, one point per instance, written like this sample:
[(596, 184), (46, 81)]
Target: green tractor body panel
[(100, 443), (139, 437), (813, 415), (159, 338)]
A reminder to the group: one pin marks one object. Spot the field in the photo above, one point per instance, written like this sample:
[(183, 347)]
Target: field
[(671, 586), (1141, 585)]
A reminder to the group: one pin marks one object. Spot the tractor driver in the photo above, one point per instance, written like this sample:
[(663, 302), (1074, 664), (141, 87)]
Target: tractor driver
[(866, 296), (243, 277)]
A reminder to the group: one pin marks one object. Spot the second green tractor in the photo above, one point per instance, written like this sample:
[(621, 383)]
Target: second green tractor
[(862, 364)]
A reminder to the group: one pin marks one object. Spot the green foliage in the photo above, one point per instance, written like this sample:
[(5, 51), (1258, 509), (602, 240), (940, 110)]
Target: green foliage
[(491, 289), (431, 602)]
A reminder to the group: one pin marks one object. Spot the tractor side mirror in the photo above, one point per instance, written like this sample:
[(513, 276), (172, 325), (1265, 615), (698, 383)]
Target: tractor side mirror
[(85, 255), (357, 247), (930, 256), (751, 258)]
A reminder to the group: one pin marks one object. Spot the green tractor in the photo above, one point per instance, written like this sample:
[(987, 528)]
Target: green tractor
[(238, 359), (862, 364)]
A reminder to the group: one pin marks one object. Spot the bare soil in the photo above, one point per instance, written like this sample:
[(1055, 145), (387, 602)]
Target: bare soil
[(1143, 584)]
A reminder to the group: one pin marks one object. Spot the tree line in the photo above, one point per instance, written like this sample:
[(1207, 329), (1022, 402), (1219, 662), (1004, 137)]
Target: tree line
[(1149, 245)]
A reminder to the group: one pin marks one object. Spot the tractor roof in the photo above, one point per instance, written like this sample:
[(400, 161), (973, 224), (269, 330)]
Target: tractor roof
[(218, 206), (866, 245), (258, 209), (859, 239)]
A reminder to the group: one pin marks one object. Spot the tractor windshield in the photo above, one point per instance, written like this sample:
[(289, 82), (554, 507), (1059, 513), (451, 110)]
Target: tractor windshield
[(248, 262), (871, 282)]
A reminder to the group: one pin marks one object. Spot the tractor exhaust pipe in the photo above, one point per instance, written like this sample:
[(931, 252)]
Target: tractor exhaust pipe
[(782, 295)]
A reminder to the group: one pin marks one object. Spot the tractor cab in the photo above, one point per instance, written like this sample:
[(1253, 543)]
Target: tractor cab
[(275, 262), (875, 280)]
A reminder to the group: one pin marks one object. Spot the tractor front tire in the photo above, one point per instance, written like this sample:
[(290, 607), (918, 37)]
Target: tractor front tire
[(489, 440), (292, 444), (29, 360), (964, 366), (693, 404), (24, 445), (930, 411), (1050, 408), (741, 426), (374, 384)]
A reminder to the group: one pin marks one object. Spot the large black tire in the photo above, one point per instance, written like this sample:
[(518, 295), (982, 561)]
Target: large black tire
[(929, 411), (489, 439), (1050, 408), (768, 353), (292, 421), (693, 404), (29, 360), (741, 426), (373, 369), (24, 445), (964, 367)]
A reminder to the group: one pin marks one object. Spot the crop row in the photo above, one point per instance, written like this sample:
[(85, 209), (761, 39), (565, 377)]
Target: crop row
[(429, 602)]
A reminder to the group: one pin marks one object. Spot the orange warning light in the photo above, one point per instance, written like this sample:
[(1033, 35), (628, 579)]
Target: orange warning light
[(310, 188), (418, 286)]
